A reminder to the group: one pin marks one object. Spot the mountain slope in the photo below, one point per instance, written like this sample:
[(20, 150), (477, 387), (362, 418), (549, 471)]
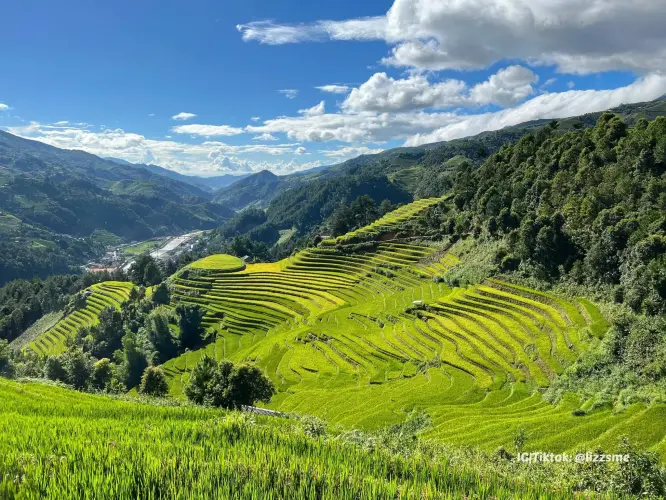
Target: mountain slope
[(254, 189)]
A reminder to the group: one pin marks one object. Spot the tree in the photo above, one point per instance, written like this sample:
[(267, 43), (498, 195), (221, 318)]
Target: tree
[(53, 369), (154, 382), (102, 374), (341, 221), (227, 385), (144, 271), (160, 335), (5, 360), (189, 322), (151, 274), (161, 294), (385, 207), (201, 380), (133, 360), (78, 366), (108, 333), (248, 384)]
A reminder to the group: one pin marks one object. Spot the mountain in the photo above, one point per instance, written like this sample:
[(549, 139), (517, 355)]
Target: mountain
[(304, 200), (208, 184), (256, 189), (52, 201)]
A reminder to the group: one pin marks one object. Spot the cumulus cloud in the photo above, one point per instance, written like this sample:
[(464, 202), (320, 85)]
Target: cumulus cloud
[(255, 118), (3, 107), (334, 89), (553, 105), (300, 150), (421, 127), (382, 93), (183, 116), (319, 109), (579, 36), (265, 137), (289, 93), (207, 130), (505, 88)]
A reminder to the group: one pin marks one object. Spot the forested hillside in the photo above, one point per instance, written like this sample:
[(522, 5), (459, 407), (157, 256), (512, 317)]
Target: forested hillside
[(305, 201), (589, 205)]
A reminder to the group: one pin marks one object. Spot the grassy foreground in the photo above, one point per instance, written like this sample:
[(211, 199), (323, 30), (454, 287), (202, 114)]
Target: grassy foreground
[(60, 444)]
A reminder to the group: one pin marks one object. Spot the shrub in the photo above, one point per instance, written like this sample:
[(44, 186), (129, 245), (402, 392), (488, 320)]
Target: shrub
[(102, 374), (154, 382), (227, 385)]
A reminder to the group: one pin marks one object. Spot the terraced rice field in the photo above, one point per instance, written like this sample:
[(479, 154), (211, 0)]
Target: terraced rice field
[(361, 339), (386, 224), (102, 295)]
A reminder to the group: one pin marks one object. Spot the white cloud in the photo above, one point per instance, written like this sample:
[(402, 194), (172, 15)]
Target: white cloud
[(505, 88), (183, 116), (255, 118), (553, 105), (300, 150), (579, 36), (62, 122), (378, 127), (205, 158), (318, 109), (265, 137), (289, 93), (334, 89), (270, 33), (151, 114), (571, 85), (382, 93), (3, 107), (349, 152), (207, 130)]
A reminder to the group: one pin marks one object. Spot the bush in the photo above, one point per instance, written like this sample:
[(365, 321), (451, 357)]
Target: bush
[(227, 385), (154, 382), (102, 374)]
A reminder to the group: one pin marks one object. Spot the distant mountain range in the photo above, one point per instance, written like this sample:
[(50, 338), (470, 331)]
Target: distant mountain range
[(208, 184)]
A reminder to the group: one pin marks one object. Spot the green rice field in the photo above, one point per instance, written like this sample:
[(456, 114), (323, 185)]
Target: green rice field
[(58, 444), (100, 296)]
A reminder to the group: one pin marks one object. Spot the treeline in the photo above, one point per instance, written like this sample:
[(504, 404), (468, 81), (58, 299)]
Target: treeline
[(587, 206)]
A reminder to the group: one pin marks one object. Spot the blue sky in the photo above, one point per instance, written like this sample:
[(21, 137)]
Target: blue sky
[(110, 77)]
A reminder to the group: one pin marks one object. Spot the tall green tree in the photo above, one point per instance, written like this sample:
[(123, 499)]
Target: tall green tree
[(189, 321)]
